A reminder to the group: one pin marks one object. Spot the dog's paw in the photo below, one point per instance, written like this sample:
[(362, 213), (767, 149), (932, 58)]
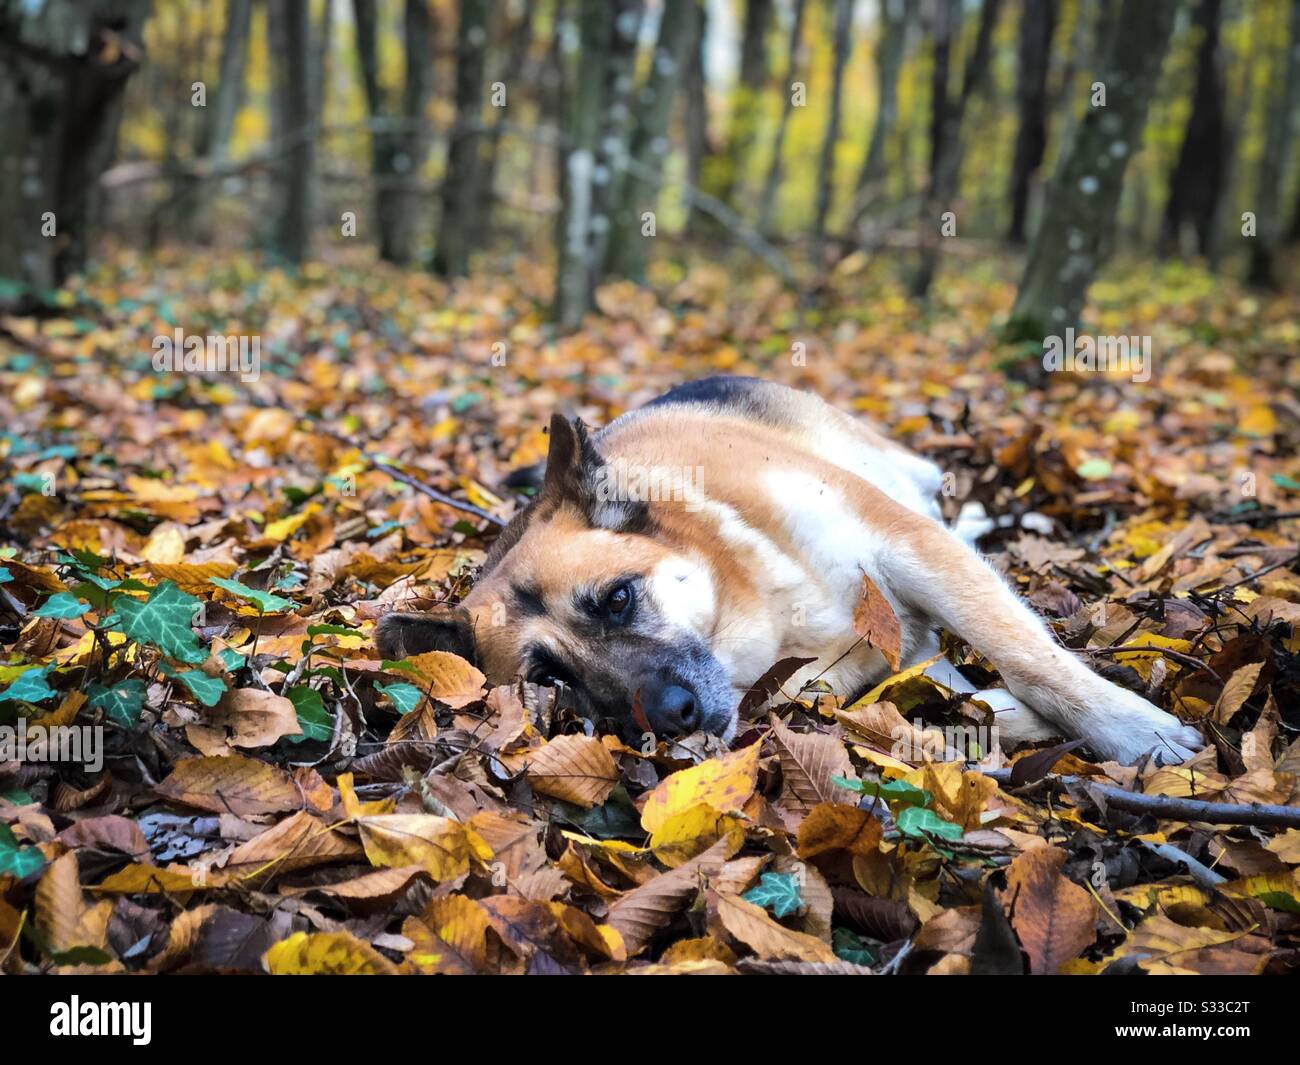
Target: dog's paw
[(1131, 726)]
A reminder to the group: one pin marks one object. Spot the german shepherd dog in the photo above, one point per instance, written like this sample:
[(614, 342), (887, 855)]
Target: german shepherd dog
[(673, 557)]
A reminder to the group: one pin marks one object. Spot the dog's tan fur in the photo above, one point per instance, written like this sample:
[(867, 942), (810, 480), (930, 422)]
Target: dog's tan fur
[(763, 561)]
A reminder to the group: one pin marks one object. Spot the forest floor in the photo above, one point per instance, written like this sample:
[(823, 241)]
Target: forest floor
[(195, 563)]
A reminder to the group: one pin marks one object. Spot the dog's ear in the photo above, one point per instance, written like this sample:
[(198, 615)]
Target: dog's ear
[(400, 635), (573, 465), (577, 473)]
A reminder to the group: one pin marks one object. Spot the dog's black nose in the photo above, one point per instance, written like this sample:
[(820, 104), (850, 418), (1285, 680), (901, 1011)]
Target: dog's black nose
[(671, 711)]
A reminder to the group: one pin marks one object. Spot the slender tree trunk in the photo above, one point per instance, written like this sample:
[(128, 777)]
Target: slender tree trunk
[(723, 172), (826, 168), (63, 68), (1082, 201), (418, 50), (230, 80), (889, 62), (460, 187), (1197, 181), (576, 273), (1282, 118), (946, 148), (698, 146), (1037, 24), (615, 137), (291, 235), (516, 59), (397, 136), (628, 247), (794, 66)]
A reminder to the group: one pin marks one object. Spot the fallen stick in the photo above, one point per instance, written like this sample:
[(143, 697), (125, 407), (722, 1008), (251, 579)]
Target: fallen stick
[(1172, 808), (405, 478)]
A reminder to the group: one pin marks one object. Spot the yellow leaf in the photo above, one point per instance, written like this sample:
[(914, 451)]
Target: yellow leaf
[(723, 783), (332, 953), (166, 546), (692, 832), (442, 847), (447, 677)]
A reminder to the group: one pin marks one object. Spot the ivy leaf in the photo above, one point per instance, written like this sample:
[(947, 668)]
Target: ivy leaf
[(851, 947), (121, 703), (920, 823), (163, 621), (892, 791), (266, 602), (30, 687), (331, 630), (15, 859), (405, 697), (207, 690), (231, 658), (61, 605), (778, 892), (312, 715)]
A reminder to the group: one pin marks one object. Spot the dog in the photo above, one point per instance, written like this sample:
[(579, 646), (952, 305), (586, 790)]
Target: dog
[(671, 558)]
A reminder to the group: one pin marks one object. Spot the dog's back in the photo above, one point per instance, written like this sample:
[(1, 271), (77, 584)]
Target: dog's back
[(805, 420)]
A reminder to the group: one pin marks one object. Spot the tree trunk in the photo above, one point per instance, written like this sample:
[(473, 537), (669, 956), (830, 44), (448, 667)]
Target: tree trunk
[(460, 182), (614, 140), (792, 70), (889, 62), (1272, 166), (678, 28), (1037, 24), (1084, 195), (946, 146), (698, 147), (1197, 181), (516, 60), (826, 167), (398, 141), (230, 80), (576, 274), (722, 172), (291, 237), (63, 68)]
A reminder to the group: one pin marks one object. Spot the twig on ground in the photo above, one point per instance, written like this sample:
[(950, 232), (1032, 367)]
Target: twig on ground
[(1177, 656), (1172, 808)]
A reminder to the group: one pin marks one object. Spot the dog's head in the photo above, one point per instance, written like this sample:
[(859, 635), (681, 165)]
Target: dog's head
[(597, 591)]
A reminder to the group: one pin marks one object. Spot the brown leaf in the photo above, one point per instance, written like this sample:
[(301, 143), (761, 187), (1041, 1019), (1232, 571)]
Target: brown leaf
[(808, 762), (577, 769), (1052, 916), (62, 915), (769, 684), (752, 926), (298, 842), (833, 827), (1239, 688), (875, 621), (640, 913), (235, 784)]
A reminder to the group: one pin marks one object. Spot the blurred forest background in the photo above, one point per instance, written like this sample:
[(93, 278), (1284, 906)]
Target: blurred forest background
[(574, 142), (434, 223)]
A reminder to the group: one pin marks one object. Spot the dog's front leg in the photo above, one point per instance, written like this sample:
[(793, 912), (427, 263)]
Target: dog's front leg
[(935, 574)]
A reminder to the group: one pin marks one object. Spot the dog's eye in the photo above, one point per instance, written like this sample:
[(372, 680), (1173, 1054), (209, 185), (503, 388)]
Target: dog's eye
[(619, 601)]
